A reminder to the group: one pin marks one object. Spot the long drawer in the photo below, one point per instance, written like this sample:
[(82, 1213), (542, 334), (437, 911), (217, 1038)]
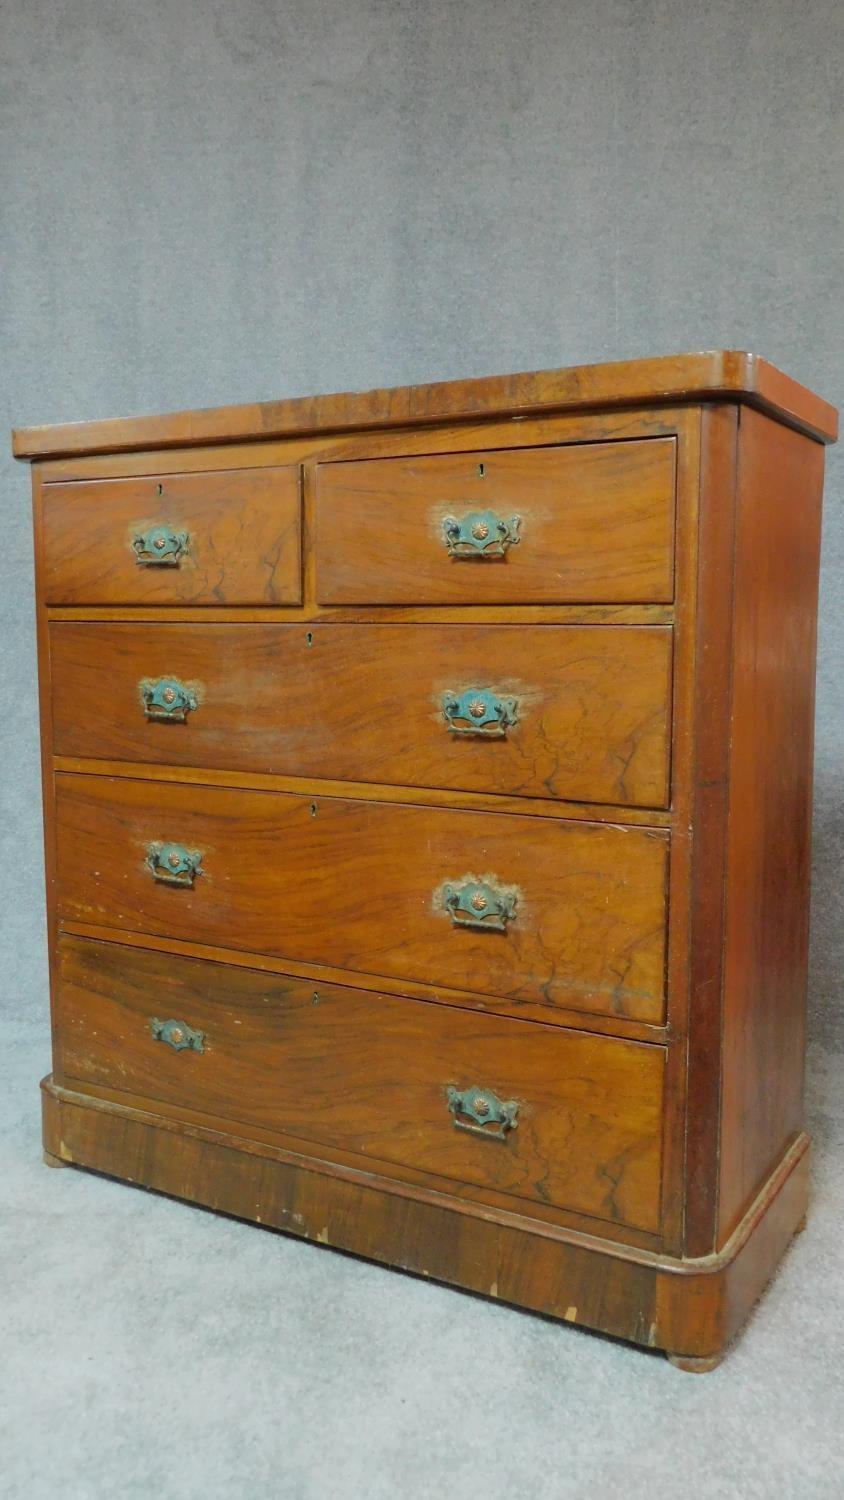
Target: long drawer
[(558, 914), (579, 712), (231, 537), (582, 522), (547, 1115)]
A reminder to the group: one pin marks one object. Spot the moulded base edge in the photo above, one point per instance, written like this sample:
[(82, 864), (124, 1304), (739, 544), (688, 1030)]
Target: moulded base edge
[(689, 1308)]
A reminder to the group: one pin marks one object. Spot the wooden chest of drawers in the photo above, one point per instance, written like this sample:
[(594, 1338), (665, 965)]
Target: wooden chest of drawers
[(427, 779)]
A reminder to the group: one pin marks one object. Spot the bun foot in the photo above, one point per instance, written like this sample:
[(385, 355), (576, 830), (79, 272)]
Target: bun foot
[(54, 1161), (694, 1364)]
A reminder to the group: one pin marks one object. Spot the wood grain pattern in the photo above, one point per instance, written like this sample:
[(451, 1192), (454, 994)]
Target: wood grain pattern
[(369, 1073), (732, 374), (691, 1308), (374, 791), (701, 758), (365, 703), (319, 974), (244, 530), (780, 478), (596, 523), (358, 884), (687, 524)]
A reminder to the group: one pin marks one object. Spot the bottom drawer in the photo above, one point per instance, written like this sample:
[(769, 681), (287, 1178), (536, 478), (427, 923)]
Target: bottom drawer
[(559, 1117)]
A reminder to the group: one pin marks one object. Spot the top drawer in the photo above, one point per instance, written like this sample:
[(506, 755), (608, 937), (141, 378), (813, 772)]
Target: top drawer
[(221, 538), (589, 522)]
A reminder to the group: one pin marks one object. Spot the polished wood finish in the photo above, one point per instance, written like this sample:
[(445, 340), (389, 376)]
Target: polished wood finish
[(523, 1010), (778, 522), (243, 527), (368, 1074), (691, 1308), (660, 929), (359, 885), (731, 374), (596, 521), (364, 703)]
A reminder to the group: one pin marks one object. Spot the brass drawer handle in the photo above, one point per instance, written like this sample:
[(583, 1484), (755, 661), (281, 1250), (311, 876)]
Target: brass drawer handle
[(479, 712), (168, 699), (480, 534), (482, 1112), (174, 865), (177, 1035), (476, 904), (160, 547)]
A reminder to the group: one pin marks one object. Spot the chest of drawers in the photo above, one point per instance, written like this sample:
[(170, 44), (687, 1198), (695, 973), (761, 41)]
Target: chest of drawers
[(427, 782)]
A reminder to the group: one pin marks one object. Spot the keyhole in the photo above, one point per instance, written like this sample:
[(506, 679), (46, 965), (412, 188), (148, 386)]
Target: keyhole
[(161, 489), (313, 809), (310, 637), (315, 998), (481, 470)]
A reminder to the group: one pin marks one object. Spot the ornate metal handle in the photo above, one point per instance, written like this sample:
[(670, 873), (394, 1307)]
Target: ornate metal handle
[(160, 547), (479, 711), (480, 534), (492, 1116), (476, 904), (173, 864), (177, 1035), (167, 699)]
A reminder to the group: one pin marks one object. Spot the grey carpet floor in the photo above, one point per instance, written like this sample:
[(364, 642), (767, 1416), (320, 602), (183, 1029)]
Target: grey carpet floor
[(149, 1349)]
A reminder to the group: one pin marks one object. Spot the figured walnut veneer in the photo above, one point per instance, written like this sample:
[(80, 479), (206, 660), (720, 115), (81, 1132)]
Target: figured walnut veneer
[(457, 913)]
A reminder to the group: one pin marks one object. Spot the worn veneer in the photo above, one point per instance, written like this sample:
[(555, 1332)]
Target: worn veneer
[(588, 707), (522, 1009)]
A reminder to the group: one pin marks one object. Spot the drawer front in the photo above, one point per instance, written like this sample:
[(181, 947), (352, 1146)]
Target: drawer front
[(589, 522), (223, 538), (573, 913), (370, 1074), (556, 710)]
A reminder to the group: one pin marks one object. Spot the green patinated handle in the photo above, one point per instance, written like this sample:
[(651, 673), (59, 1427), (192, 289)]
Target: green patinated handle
[(173, 864), (482, 1112), (168, 699), (481, 534), (476, 904), (479, 712), (160, 547), (177, 1035)]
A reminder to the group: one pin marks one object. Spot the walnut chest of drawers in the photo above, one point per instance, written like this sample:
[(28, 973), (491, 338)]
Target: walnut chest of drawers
[(427, 778)]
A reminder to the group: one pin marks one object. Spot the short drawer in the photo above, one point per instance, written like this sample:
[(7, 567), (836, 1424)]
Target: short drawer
[(579, 712), (231, 537), (587, 522), (547, 1115), (538, 910)]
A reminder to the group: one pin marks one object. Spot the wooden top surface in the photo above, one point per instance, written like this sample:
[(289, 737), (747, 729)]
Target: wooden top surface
[(724, 374)]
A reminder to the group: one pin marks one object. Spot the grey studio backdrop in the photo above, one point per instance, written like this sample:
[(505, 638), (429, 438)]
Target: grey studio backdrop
[(205, 203)]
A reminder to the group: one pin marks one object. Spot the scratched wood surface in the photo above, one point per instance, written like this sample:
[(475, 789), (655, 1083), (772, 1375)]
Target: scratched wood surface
[(768, 852), (728, 373), (596, 523), (335, 875), (691, 1309), (369, 1073), (365, 703), (360, 885), (244, 539)]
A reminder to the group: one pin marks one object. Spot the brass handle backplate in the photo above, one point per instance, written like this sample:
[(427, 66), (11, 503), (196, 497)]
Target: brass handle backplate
[(475, 903), (482, 1112), (160, 547), (168, 700), (177, 1035), (479, 712), (173, 864), (480, 534)]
